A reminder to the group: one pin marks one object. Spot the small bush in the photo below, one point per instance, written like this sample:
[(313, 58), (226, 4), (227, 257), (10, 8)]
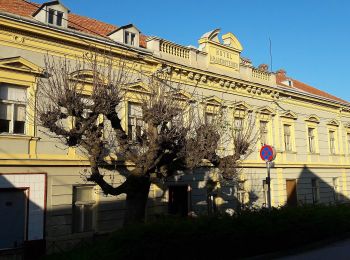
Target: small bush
[(247, 234)]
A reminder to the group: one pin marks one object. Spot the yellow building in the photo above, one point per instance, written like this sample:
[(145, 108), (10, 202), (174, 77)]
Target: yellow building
[(40, 179)]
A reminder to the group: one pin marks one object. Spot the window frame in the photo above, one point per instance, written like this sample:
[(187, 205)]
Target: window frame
[(129, 38), (264, 132), (311, 140), (131, 133), (51, 16), (59, 18), (79, 227), (347, 134), (13, 104), (290, 145), (336, 189), (55, 17), (332, 141), (315, 190)]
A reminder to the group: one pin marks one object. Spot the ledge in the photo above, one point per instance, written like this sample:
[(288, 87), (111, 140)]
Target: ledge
[(18, 136)]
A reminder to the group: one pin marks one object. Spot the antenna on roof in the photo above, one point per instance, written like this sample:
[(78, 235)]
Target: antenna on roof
[(270, 54)]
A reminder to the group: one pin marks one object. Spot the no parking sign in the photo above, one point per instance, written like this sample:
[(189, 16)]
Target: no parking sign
[(267, 153)]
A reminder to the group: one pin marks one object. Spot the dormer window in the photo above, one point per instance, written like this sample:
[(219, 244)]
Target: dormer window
[(52, 13), (59, 18), (55, 17), (127, 34), (129, 38)]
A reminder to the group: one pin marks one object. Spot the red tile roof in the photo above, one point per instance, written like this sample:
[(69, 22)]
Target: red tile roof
[(77, 22), (281, 77), (92, 26)]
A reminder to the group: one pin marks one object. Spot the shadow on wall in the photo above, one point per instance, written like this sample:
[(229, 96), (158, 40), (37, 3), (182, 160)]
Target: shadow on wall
[(204, 192), (310, 188), (82, 213)]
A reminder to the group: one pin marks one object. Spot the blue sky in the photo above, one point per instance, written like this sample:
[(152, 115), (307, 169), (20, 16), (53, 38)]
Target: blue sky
[(310, 38)]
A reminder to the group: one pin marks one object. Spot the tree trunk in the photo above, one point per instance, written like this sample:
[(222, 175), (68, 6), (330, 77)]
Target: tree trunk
[(136, 199)]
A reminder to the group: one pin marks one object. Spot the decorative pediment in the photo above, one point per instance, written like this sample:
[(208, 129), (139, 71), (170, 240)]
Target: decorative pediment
[(83, 75), (212, 35), (333, 122), (289, 114), (266, 111), (230, 40), (20, 64), (214, 101), (313, 119), (182, 95), (138, 86), (242, 106)]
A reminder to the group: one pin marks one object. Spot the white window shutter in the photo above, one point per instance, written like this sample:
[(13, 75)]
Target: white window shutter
[(13, 93), (5, 111), (20, 113)]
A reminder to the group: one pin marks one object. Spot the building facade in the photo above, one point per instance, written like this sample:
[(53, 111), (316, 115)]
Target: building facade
[(44, 200)]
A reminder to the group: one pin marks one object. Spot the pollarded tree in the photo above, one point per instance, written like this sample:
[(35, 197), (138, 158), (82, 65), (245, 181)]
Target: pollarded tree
[(79, 102)]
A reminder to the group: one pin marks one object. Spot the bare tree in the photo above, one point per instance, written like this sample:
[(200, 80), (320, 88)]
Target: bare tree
[(79, 103)]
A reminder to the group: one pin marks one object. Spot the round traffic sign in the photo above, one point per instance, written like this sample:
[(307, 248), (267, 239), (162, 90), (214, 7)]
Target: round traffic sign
[(267, 153)]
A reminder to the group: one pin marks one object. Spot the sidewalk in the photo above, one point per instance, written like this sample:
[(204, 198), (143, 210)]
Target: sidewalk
[(335, 251)]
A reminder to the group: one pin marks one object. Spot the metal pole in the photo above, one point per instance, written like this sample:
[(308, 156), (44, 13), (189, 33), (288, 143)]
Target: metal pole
[(268, 182)]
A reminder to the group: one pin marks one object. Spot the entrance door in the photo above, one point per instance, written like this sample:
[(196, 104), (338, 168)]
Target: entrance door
[(178, 200), (13, 204), (291, 187)]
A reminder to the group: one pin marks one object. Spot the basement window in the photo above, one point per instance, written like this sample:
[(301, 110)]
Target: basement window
[(83, 204)]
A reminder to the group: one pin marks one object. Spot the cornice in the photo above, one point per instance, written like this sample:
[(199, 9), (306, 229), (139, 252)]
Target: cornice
[(14, 24)]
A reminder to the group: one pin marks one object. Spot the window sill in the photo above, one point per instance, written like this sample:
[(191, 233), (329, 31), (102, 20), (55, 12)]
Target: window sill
[(18, 136), (313, 153), (289, 152)]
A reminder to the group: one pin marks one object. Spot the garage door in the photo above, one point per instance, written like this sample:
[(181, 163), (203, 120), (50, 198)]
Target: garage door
[(13, 204)]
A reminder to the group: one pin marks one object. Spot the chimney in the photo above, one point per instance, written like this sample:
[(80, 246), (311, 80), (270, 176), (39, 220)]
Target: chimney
[(263, 67), (281, 73)]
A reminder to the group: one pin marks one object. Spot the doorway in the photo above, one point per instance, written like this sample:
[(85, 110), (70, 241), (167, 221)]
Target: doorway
[(13, 217), (178, 200), (291, 187)]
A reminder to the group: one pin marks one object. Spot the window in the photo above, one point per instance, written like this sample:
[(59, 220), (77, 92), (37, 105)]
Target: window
[(263, 133), (83, 208), (265, 193), (51, 15), (59, 18), (209, 118), (348, 140), (287, 137), (311, 140), (12, 109), (336, 189), (332, 142), (238, 123), (315, 189), (129, 38), (135, 122), (241, 193), (55, 17)]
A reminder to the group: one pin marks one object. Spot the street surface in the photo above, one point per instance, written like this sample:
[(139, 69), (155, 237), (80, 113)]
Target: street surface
[(337, 251)]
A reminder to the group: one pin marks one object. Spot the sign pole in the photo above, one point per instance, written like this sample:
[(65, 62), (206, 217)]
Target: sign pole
[(268, 182), (268, 154)]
